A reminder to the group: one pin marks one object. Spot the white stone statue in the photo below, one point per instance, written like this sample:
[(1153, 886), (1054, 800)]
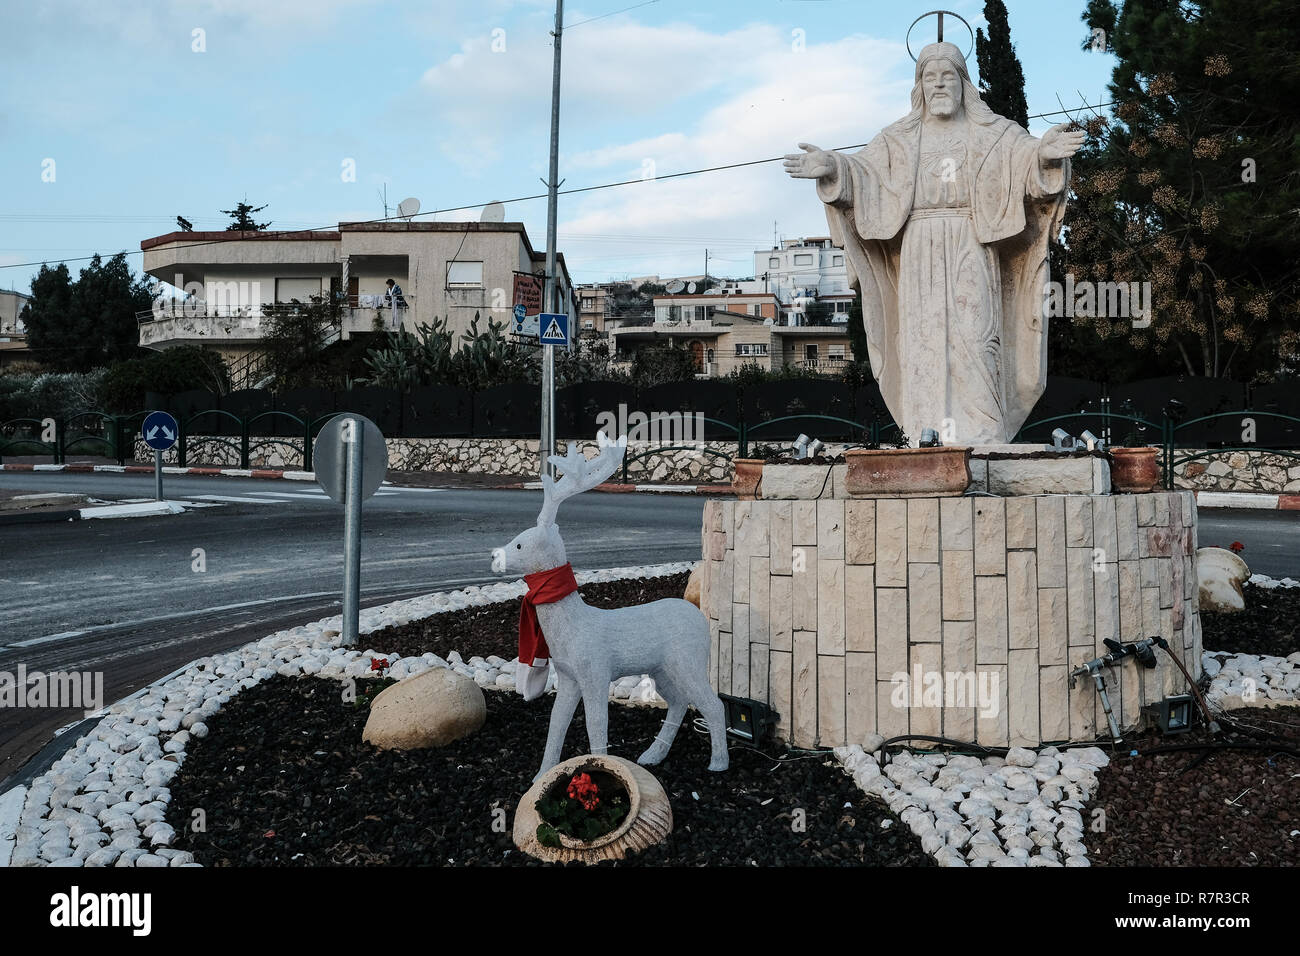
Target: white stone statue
[(590, 647), (945, 218)]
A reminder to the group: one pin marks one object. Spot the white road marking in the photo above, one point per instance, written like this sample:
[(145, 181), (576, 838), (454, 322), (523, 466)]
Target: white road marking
[(234, 499)]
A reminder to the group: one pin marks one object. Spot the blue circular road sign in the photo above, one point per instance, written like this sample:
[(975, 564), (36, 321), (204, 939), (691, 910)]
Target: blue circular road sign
[(159, 431)]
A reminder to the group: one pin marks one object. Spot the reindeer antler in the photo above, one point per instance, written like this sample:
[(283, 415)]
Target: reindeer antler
[(577, 473)]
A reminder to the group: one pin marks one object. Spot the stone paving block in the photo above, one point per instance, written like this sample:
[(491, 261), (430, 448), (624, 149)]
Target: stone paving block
[(830, 702), (830, 605), (780, 619), (956, 524), (923, 529), (781, 529), (1022, 522), (891, 543), (860, 608), (1054, 702), (830, 530), (925, 699), (1104, 533), (725, 643), (1078, 521), (1051, 541), (1130, 601), (759, 662), (891, 720), (740, 645), (860, 696), (925, 620), (1022, 697), (1082, 611), (804, 704), (1105, 590), (729, 523), (992, 723), (752, 527), (1053, 626), (990, 536), (805, 593), (726, 589), (780, 677), (959, 660), (760, 582), (891, 630), (1126, 526), (860, 531), (1146, 510), (958, 573), (991, 620), (1022, 599), (805, 524)]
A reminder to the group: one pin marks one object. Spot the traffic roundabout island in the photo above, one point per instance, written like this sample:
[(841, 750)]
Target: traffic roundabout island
[(257, 758)]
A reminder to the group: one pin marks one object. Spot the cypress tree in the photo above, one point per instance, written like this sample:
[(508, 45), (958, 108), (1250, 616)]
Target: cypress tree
[(1002, 81)]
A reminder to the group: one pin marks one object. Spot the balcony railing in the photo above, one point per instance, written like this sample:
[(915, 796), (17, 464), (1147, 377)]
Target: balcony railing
[(833, 363), (247, 324)]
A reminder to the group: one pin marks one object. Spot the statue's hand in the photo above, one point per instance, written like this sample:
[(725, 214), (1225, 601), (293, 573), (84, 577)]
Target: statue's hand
[(813, 163), (1060, 142)]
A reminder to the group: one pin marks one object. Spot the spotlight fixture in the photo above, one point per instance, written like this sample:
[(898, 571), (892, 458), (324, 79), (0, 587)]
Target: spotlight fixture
[(805, 447), (1062, 440), (1173, 715), (1092, 441), (747, 719), (929, 439), (815, 448)]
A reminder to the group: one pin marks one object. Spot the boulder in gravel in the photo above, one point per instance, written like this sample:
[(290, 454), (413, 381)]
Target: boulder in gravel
[(692, 592), (1219, 576), (429, 710)]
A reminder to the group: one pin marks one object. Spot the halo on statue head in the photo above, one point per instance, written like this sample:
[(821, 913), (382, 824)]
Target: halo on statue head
[(940, 14)]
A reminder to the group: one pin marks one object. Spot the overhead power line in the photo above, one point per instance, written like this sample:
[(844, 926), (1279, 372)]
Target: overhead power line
[(329, 227)]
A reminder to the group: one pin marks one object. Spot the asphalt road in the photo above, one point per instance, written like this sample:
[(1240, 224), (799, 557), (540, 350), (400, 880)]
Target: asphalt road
[(122, 596)]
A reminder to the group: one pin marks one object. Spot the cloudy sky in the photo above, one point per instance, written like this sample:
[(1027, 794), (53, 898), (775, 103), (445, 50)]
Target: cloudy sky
[(139, 112)]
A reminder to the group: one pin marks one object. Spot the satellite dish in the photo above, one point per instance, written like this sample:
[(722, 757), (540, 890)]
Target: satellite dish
[(768, 321), (713, 291), (691, 288), (408, 208), (675, 286), (493, 212)]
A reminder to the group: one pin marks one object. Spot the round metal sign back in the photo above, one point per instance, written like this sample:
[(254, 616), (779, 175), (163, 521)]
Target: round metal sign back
[(330, 455)]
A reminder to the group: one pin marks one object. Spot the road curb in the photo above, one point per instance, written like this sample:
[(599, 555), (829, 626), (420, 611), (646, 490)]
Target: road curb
[(37, 516), (1242, 499)]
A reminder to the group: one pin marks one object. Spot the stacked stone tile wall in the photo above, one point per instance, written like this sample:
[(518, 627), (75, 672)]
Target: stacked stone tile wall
[(817, 608), (1259, 471)]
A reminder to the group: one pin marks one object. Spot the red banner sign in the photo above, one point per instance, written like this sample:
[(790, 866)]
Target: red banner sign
[(528, 292)]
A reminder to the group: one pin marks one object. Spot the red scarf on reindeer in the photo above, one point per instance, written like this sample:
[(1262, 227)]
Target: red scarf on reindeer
[(544, 587)]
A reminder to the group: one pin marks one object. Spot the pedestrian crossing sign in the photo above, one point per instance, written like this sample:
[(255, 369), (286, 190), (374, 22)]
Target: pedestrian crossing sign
[(554, 328)]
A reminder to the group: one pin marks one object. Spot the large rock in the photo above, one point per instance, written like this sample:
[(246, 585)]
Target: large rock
[(692, 592), (1220, 575), (429, 710)]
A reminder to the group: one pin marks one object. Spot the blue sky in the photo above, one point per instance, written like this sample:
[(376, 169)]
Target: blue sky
[(428, 99)]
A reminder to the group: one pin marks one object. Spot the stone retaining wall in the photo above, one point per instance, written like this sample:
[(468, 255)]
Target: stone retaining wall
[(817, 607), (1258, 471)]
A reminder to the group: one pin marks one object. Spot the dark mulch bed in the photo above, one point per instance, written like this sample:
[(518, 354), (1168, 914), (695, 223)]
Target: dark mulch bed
[(1270, 624), (284, 779), (1215, 808), (494, 628)]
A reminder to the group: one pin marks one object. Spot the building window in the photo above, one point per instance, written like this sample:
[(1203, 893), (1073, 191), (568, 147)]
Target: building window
[(753, 309), (774, 263), (803, 259), (757, 348), (837, 352), (709, 353), (464, 275), (843, 306), (302, 290), (810, 352), (837, 260)]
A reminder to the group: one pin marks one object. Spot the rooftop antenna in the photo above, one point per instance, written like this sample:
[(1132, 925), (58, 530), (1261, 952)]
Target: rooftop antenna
[(384, 197)]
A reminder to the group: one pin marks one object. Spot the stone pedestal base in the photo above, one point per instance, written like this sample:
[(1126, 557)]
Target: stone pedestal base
[(959, 617), (1037, 472)]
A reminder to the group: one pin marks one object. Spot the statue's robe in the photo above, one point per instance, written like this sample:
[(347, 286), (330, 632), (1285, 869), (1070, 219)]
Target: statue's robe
[(949, 254)]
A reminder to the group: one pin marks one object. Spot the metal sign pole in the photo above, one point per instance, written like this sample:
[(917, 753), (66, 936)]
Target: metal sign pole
[(157, 475), (353, 435), (552, 285)]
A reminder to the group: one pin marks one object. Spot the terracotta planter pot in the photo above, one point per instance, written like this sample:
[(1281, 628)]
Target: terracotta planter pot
[(748, 482), (1134, 470), (908, 472), (649, 819)]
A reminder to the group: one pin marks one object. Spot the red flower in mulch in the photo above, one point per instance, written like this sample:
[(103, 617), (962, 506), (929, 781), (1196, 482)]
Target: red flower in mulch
[(585, 791), (378, 663), (1236, 547)]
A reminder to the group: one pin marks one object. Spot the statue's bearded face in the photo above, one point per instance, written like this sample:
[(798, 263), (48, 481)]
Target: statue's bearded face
[(941, 85)]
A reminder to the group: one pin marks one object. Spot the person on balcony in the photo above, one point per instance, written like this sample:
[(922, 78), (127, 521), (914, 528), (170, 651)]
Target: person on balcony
[(397, 302)]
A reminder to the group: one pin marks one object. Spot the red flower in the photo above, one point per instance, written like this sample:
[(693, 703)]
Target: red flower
[(584, 790), (1236, 547), (378, 663)]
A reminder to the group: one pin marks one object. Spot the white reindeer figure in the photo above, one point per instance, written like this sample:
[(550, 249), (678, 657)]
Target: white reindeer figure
[(667, 639)]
